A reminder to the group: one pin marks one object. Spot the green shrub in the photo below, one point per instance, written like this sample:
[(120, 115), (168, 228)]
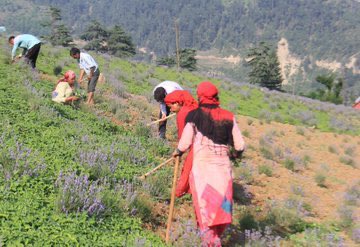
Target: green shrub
[(320, 180), (333, 149), (246, 133), (265, 169), (248, 222), (300, 130), (348, 161), (143, 207), (266, 153), (289, 164)]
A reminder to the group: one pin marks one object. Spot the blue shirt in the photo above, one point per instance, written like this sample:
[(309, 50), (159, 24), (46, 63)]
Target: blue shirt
[(25, 41)]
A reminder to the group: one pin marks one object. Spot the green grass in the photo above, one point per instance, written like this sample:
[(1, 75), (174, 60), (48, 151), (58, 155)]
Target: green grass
[(137, 76), (56, 134)]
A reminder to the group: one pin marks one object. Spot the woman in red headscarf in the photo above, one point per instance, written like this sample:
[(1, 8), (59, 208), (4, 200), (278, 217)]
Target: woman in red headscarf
[(181, 102), (212, 132), (64, 88)]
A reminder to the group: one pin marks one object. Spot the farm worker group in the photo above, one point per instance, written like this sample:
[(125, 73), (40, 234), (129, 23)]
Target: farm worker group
[(31, 47), (208, 133)]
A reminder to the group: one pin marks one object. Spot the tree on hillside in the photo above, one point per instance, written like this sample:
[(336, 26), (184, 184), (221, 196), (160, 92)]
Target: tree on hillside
[(166, 61), (187, 59), (265, 67), (60, 34), (332, 91), (114, 41), (96, 35), (119, 43)]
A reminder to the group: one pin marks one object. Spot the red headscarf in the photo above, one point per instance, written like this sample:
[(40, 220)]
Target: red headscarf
[(207, 93), (182, 97), (69, 75), (188, 103)]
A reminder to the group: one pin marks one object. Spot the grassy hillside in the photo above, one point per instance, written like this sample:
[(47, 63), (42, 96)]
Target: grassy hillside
[(63, 170), (68, 174)]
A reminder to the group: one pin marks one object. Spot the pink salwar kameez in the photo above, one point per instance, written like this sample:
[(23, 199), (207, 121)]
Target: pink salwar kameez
[(211, 175)]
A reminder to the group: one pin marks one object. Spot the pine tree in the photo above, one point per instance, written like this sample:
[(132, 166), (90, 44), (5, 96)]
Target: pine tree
[(119, 43), (187, 59), (96, 35), (60, 34), (166, 61), (265, 67)]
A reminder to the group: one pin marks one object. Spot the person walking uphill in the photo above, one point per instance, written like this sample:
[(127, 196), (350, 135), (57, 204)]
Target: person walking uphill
[(213, 132), (160, 92), (30, 45), (87, 65), (181, 102)]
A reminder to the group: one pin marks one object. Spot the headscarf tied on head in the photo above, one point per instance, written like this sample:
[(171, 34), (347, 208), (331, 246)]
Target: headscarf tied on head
[(69, 75), (182, 97), (212, 121), (207, 93), (188, 104)]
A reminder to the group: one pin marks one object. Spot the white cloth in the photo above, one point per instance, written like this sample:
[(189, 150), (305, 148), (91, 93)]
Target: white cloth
[(86, 62), (169, 86), (357, 100)]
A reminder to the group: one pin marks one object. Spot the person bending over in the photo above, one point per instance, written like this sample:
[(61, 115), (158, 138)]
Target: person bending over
[(160, 91), (30, 45), (89, 67)]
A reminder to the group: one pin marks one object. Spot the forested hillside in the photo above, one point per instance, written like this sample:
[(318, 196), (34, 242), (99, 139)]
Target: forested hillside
[(321, 35), (322, 28)]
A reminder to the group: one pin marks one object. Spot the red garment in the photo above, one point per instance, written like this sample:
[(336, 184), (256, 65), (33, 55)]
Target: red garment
[(207, 93), (182, 185), (356, 106), (188, 104)]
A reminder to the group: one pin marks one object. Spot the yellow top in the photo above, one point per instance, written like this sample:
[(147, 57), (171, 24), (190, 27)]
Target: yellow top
[(61, 92)]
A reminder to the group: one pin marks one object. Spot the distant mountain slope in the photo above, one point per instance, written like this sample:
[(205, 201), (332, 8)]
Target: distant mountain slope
[(320, 34), (323, 28)]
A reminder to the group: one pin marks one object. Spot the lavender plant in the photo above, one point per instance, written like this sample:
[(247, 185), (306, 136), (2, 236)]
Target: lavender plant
[(19, 161), (286, 216), (317, 237), (258, 238), (246, 172), (78, 194), (185, 234)]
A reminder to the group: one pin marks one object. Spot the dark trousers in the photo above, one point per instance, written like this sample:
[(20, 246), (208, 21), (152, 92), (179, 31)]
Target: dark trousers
[(162, 125), (32, 55)]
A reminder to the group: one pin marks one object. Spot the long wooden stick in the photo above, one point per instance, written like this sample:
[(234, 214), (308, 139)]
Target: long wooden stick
[(156, 168), (159, 120), (172, 202)]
